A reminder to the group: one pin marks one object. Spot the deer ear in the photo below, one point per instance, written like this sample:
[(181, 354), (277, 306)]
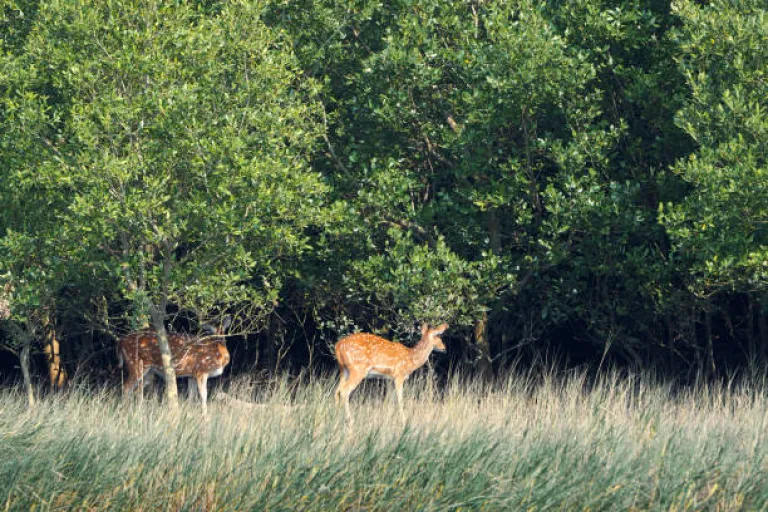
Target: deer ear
[(424, 329), (441, 329), (225, 323)]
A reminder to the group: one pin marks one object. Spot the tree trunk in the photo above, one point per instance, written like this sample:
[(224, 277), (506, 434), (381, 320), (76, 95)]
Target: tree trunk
[(711, 369), (670, 349), (24, 360), (693, 321), (762, 321), (753, 356), (494, 231), (267, 356), (171, 391), (56, 373), (158, 321), (483, 361)]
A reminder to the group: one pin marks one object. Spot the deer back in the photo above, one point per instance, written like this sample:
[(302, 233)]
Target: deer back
[(190, 355), (367, 350)]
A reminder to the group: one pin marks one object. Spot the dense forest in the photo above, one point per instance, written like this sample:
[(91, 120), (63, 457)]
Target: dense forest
[(583, 180)]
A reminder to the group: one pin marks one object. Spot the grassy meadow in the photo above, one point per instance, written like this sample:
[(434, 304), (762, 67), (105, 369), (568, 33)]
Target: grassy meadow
[(558, 444)]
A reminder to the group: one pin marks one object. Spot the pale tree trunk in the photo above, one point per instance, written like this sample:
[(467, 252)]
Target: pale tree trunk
[(762, 322), (670, 353), (751, 345), (483, 362), (267, 356), (494, 231), (158, 321), (694, 320), (56, 372), (25, 335), (711, 368), (756, 350), (169, 374), (24, 360)]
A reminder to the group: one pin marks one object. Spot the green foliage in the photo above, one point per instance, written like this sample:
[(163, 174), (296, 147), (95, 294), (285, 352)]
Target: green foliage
[(183, 140), (720, 227), (450, 115), (409, 283), (627, 42), (34, 188), (590, 173)]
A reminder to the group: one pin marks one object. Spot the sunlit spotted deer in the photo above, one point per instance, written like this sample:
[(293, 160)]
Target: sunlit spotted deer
[(365, 355), (196, 357)]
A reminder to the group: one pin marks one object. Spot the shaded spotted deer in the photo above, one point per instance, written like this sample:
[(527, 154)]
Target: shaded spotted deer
[(196, 357), (363, 355)]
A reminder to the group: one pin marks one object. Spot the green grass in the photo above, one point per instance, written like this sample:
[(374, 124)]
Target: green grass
[(623, 444)]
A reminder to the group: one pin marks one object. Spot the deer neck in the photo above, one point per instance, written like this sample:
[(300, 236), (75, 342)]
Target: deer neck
[(420, 353)]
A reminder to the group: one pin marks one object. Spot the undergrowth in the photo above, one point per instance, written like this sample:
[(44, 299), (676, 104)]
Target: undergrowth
[(620, 444)]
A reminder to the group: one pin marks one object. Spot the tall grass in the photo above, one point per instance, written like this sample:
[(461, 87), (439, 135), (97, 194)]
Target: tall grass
[(624, 443)]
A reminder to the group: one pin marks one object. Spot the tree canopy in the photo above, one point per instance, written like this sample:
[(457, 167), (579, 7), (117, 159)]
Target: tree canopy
[(586, 178)]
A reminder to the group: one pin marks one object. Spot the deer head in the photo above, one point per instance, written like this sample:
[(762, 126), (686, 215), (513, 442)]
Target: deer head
[(432, 336)]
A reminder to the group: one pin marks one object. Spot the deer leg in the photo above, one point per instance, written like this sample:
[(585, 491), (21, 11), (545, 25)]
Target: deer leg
[(343, 377), (130, 383), (135, 378), (202, 388), (391, 387), (345, 389), (191, 389), (148, 380), (141, 372), (399, 393), (145, 378)]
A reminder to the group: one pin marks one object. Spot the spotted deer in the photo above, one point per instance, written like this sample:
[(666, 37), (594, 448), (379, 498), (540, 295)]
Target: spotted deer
[(364, 355), (196, 357)]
